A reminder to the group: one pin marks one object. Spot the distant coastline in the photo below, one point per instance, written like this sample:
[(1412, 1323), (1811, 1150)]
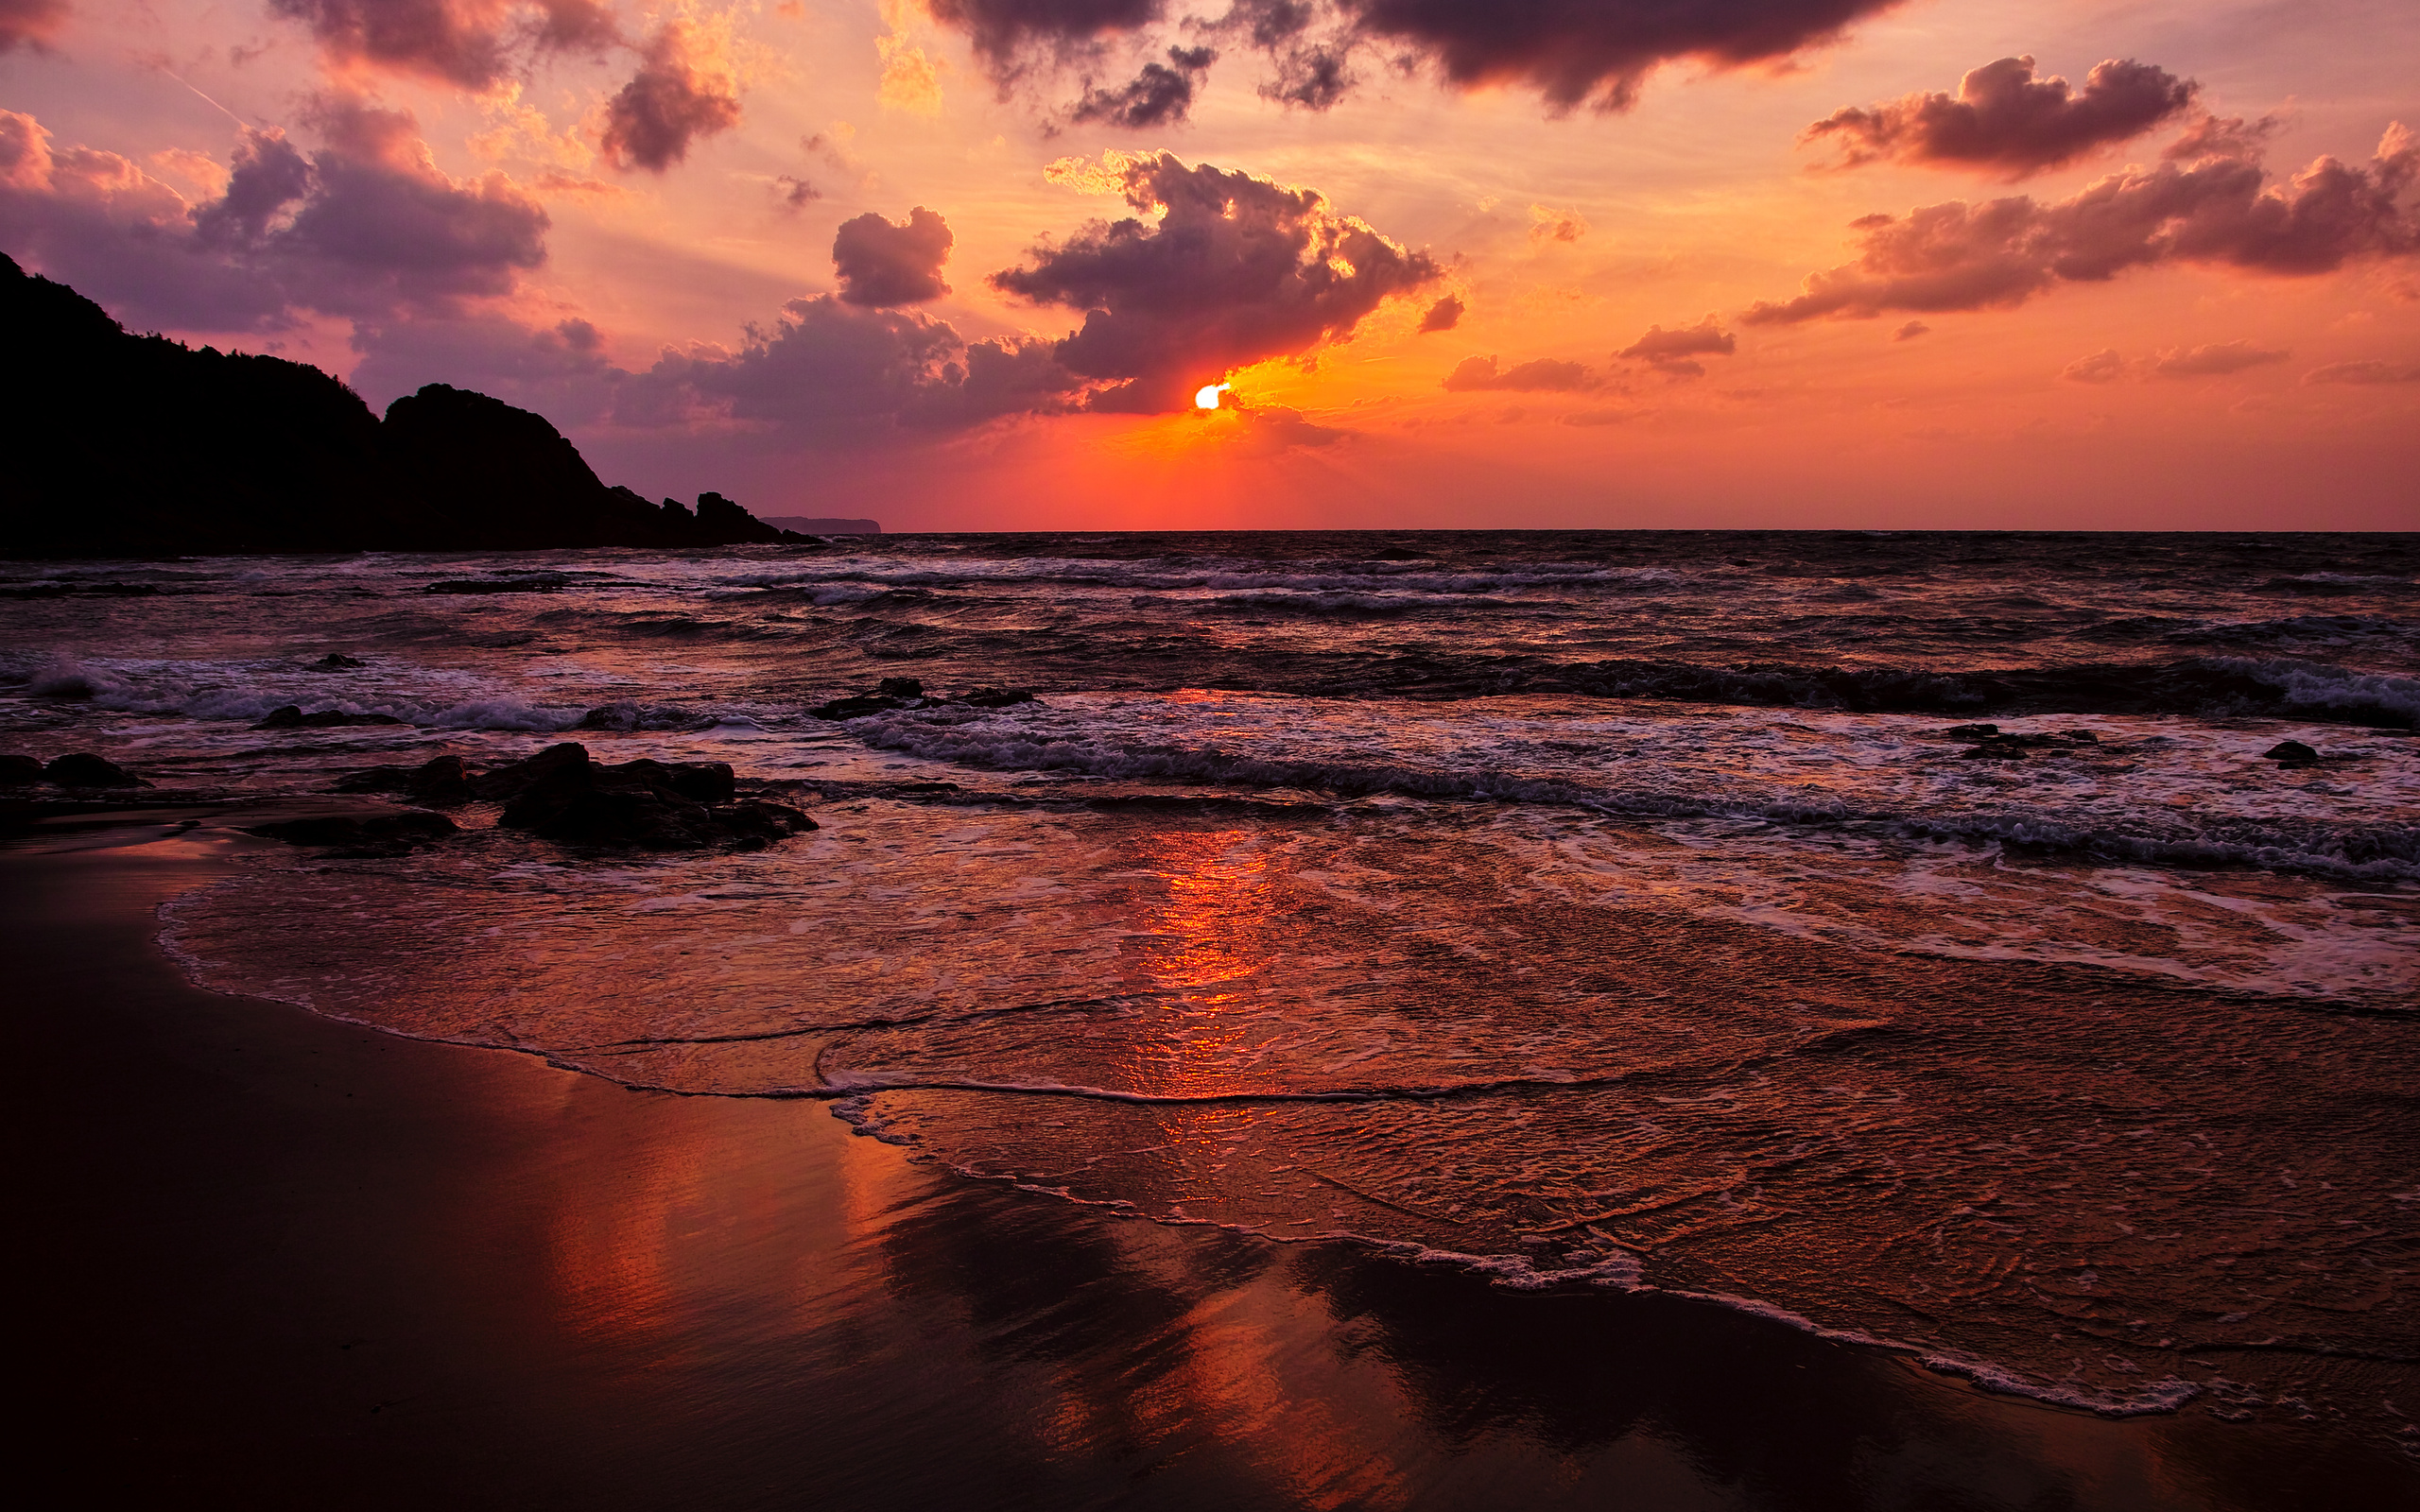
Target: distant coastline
[(813, 525), (125, 445)]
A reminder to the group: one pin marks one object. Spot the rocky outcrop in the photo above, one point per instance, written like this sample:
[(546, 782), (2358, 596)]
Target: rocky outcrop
[(2290, 753), (292, 717), (441, 781), (84, 769), (140, 446), (909, 692), (562, 795), (394, 833)]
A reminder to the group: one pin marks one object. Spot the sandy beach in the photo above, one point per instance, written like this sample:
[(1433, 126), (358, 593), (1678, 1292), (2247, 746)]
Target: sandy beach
[(302, 1263)]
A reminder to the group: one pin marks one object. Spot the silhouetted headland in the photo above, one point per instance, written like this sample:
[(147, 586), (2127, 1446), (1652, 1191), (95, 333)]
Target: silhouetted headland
[(125, 445)]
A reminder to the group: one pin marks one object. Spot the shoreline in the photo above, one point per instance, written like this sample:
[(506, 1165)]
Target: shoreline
[(312, 1260)]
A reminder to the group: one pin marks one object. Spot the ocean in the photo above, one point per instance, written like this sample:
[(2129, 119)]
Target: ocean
[(1611, 910)]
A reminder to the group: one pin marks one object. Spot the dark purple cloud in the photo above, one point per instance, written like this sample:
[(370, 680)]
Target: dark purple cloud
[(1161, 95), (1237, 271), (29, 24), (2213, 136), (367, 226), (96, 220), (1442, 316), (1573, 52), (1544, 375), (828, 370), (673, 99), (2217, 211), (472, 43), (1577, 52), (2007, 122), (882, 265), (1005, 31), (1674, 352)]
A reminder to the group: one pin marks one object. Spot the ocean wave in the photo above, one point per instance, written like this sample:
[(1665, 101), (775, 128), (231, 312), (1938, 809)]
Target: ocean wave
[(2374, 852), (1158, 575), (245, 704), (2210, 686), (1340, 602)]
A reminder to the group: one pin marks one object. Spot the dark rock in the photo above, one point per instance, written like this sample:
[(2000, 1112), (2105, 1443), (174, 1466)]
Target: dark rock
[(442, 781), (512, 780), (336, 662), (909, 692), (1992, 744), (755, 823), (491, 585), (371, 834), (1398, 554), (697, 782), (856, 708), (560, 795), (627, 716), (84, 769), (2293, 753), (292, 717), (995, 697), (19, 772)]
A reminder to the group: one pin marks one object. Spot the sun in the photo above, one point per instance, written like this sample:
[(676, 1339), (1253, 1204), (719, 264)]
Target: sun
[(1207, 398)]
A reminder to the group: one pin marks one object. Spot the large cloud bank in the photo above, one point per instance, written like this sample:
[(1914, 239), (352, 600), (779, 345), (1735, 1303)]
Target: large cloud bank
[(365, 227), (1572, 52), (2007, 121), (2218, 210), (1235, 271)]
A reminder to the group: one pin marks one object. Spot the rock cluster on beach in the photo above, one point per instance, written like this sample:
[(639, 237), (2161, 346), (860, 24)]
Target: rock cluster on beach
[(563, 795), (78, 769), (1990, 743), (908, 693)]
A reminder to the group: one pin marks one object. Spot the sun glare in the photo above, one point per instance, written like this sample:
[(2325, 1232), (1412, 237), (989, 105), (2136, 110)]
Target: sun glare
[(1207, 398)]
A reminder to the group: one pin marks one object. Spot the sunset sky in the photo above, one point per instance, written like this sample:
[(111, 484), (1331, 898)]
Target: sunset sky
[(964, 264)]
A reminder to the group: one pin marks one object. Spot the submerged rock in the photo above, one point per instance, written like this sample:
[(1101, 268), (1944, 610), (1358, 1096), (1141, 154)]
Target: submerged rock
[(909, 692), (442, 781), (1990, 743), (84, 769), (336, 662), (2290, 752), (362, 835), (292, 717), (996, 697), (489, 585)]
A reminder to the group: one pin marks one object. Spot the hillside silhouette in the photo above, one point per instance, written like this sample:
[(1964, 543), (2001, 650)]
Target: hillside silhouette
[(136, 445)]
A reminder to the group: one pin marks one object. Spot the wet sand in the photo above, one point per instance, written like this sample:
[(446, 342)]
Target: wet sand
[(281, 1257)]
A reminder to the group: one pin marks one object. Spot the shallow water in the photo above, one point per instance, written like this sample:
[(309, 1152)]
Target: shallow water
[(1602, 910)]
